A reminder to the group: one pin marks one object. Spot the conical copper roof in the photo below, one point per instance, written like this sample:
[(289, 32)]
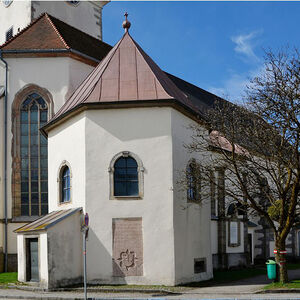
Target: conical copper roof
[(127, 73)]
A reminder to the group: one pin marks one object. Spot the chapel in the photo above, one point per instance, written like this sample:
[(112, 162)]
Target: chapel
[(91, 128)]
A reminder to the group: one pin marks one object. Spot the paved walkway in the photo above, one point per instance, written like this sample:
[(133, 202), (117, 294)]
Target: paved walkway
[(242, 289)]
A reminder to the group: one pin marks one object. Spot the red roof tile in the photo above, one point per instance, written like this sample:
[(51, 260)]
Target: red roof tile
[(47, 33)]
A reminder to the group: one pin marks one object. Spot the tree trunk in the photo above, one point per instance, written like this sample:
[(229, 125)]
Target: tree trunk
[(281, 261)]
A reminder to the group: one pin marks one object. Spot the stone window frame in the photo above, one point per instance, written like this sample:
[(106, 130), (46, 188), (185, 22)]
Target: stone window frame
[(20, 96), (238, 221), (64, 164), (140, 170)]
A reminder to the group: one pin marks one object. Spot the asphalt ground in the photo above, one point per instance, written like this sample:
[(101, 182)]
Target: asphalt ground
[(250, 288)]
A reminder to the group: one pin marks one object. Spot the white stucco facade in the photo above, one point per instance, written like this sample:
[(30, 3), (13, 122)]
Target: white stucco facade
[(152, 134)]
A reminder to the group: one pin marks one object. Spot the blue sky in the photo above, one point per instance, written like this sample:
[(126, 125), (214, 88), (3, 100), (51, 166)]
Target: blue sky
[(217, 46)]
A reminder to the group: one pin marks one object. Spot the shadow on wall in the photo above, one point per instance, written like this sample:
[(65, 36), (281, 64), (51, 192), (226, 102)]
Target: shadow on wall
[(131, 123), (100, 262)]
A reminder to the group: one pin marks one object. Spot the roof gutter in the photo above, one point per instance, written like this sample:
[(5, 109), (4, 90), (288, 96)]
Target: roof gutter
[(70, 50), (5, 163)]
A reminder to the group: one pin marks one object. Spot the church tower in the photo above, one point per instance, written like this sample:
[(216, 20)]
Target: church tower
[(83, 15)]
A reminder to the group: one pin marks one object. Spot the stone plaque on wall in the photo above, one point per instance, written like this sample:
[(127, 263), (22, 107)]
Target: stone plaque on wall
[(127, 247)]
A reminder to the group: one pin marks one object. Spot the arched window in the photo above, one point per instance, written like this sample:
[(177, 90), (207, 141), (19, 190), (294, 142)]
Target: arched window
[(65, 185), (193, 182), (33, 150), (126, 176), (31, 109)]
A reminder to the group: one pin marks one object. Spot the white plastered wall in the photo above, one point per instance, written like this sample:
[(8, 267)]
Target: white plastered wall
[(65, 252), (17, 14), (70, 139), (192, 223), (86, 16), (147, 133)]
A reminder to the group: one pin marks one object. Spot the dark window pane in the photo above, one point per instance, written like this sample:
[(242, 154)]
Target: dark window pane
[(44, 116), (24, 198), (121, 162), (24, 187), (44, 209), (24, 163), (132, 176), (24, 117), (44, 186), (34, 140), (42, 103), (132, 189), (33, 108), (44, 151), (24, 129), (34, 209), (24, 175), (126, 177), (34, 151), (24, 140), (131, 162), (24, 210), (44, 198), (120, 189), (34, 198), (34, 163), (44, 163), (44, 174), (43, 140), (34, 130), (24, 151), (34, 186), (33, 116), (34, 174)]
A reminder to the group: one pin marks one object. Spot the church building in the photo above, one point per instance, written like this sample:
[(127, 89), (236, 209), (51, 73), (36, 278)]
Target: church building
[(91, 128)]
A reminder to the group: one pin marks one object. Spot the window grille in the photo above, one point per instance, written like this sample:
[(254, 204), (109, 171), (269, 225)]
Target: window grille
[(126, 181)]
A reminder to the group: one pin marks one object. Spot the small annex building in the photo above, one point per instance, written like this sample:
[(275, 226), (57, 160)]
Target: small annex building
[(121, 138)]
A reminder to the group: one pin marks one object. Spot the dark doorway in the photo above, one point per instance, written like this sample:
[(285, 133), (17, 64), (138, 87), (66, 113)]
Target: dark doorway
[(250, 246), (32, 260)]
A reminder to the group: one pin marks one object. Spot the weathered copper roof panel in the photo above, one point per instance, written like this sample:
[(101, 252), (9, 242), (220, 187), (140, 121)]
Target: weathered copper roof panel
[(126, 74)]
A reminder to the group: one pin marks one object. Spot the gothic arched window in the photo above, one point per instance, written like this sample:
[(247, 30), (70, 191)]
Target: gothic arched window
[(33, 156)]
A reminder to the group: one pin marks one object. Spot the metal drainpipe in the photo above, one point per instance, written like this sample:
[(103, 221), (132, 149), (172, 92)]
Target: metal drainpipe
[(5, 163)]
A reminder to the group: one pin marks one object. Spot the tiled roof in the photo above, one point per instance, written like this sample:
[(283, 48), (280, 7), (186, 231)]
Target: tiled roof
[(47, 221), (127, 74), (47, 32)]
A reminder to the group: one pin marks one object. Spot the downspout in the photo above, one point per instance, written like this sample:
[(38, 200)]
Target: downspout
[(5, 164)]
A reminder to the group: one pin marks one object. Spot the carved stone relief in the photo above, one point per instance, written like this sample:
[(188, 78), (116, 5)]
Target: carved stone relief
[(127, 247)]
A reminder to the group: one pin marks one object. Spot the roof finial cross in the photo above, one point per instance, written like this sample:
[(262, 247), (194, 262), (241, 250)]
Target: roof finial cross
[(126, 24)]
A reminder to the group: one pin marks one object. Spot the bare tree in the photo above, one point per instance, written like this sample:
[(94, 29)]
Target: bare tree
[(258, 145)]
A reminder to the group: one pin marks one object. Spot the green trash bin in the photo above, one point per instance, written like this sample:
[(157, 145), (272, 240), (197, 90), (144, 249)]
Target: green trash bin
[(271, 269)]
